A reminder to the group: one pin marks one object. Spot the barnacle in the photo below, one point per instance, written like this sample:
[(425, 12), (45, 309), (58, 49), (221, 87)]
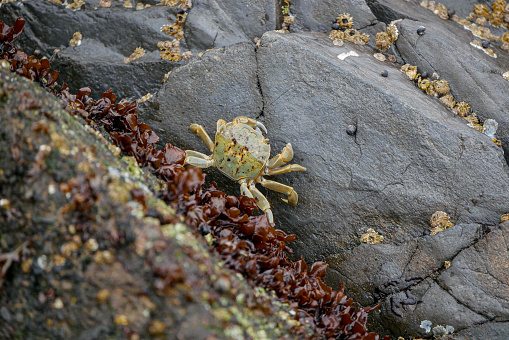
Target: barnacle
[(482, 32), (448, 100), (496, 18), (371, 237), (441, 11), (382, 41), (138, 53), (170, 29), (505, 41), (139, 6), (166, 77), (356, 37), (498, 6), (379, 57), (169, 2), (128, 4), (462, 109), (473, 122), (506, 75), (488, 50), (187, 55), (410, 71), (337, 34), (504, 218), (345, 20), (75, 5), (145, 97), (441, 87), (425, 85), (76, 39), (481, 21), (481, 10), (439, 222), (105, 3)]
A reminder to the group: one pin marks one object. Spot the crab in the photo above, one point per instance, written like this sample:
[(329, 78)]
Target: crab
[(242, 153)]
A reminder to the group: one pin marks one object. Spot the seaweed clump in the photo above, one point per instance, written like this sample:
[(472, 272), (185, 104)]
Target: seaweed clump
[(246, 242)]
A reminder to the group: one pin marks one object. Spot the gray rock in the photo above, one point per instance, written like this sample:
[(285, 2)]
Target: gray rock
[(213, 24), (109, 35), (478, 277), (317, 16), (490, 330), (405, 162), (473, 76), (220, 84)]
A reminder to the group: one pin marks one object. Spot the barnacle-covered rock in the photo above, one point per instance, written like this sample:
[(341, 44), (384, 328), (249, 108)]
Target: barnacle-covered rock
[(345, 21), (410, 71), (439, 222), (371, 237), (505, 75)]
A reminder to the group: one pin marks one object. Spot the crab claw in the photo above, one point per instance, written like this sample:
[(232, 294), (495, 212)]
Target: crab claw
[(261, 126)]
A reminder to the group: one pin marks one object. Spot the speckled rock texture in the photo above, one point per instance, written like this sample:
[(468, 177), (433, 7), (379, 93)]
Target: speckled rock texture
[(410, 155)]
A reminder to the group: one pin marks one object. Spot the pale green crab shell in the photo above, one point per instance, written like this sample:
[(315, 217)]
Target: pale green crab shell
[(240, 151)]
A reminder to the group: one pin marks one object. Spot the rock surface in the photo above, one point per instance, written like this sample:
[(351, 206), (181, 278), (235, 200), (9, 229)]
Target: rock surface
[(214, 24), (473, 76), (109, 35)]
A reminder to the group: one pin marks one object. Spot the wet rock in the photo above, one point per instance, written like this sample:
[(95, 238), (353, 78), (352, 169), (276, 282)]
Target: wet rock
[(405, 163), (109, 35), (473, 76), (213, 24), (220, 84)]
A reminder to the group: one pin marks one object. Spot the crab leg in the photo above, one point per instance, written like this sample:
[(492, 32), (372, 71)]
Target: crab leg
[(250, 190), (250, 122), (282, 188), (284, 157), (198, 159), (200, 131), (244, 190), (285, 169), (262, 203)]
